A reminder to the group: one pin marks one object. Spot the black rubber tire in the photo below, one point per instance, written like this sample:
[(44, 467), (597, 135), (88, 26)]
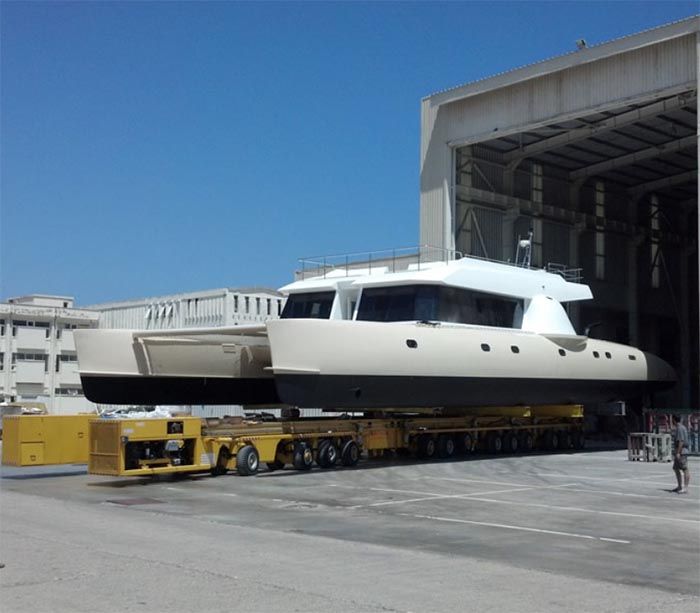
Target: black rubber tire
[(303, 457), (247, 461), (327, 454), (445, 446), (350, 455), (465, 443), (276, 465), (565, 440), (551, 440), (526, 442), (426, 446), (579, 439), (494, 442), (220, 467), (511, 444)]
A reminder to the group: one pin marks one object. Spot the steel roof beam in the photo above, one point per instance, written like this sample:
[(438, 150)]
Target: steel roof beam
[(633, 158), (651, 186), (612, 123)]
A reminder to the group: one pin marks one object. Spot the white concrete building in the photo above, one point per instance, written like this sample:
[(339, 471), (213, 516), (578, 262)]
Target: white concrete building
[(38, 362), (202, 309)]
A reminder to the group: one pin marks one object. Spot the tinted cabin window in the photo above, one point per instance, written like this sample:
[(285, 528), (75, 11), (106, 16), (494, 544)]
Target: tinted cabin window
[(406, 303), (315, 305), (435, 303)]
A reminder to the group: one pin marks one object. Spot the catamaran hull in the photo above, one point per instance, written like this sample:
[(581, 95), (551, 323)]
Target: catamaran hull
[(179, 367), (404, 392), (355, 365)]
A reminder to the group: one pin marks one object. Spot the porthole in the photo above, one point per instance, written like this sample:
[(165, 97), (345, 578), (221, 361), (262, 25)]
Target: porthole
[(412, 344), (632, 357), (596, 354), (608, 355), (562, 352), (515, 349), (485, 347)]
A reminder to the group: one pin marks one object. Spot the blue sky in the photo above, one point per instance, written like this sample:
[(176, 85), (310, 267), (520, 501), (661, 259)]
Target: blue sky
[(153, 148)]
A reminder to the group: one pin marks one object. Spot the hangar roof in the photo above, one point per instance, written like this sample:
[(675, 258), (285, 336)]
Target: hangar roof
[(568, 60)]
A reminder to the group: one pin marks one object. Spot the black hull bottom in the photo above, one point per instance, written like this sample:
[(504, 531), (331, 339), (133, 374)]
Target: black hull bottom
[(377, 392), (179, 390)]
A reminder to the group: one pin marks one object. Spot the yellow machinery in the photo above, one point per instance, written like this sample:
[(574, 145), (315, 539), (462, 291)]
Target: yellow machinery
[(139, 447), (32, 440)]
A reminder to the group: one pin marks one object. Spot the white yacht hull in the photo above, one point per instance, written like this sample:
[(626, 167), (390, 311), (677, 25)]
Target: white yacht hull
[(357, 364), (198, 366)]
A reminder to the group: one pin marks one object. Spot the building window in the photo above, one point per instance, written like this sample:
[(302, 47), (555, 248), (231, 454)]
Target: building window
[(655, 250), (68, 391), (2, 361), (257, 306), (235, 304), (279, 308), (247, 304), (65, 358), (28, 357), (600, 227), (2, 327), (269, 306)]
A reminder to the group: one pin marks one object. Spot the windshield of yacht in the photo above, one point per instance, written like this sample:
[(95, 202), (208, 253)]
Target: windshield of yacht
[(314, 305), (437, 303)]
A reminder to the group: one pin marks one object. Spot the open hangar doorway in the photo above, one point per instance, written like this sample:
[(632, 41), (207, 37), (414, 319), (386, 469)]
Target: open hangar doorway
[(614, 193)]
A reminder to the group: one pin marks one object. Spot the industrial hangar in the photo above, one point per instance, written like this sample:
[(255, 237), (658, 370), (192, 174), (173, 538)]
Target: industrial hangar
[(596, 152)]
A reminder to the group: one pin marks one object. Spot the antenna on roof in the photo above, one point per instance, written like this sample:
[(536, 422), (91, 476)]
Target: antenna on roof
[(523, 254)]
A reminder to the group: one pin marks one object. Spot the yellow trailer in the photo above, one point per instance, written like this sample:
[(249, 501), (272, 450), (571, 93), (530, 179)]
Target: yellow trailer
[(33, 440), (138, 447)]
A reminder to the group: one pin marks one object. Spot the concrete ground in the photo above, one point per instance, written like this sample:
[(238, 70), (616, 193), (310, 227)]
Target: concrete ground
[(583, 531)]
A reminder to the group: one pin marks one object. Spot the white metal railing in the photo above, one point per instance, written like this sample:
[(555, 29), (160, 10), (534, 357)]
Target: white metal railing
[(573, 275), (394, 260), (649, 447), (400, 258)]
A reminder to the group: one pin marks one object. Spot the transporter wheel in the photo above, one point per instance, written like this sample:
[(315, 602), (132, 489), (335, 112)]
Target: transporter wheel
[(426, 446), (445, 446), (276, 465), (551, 440), (327, 454), (465, 443), (303, 456), (527, 442), (350, 454), (565, 440), (494, 442), (222, 459), (247, 461), (579, 439), (511, 444)]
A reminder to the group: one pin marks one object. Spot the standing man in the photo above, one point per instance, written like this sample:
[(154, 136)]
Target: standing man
[(680, 458)]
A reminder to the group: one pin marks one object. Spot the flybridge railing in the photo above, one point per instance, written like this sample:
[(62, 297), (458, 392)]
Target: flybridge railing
[(400, 258), (393, 260), (573, 275)]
